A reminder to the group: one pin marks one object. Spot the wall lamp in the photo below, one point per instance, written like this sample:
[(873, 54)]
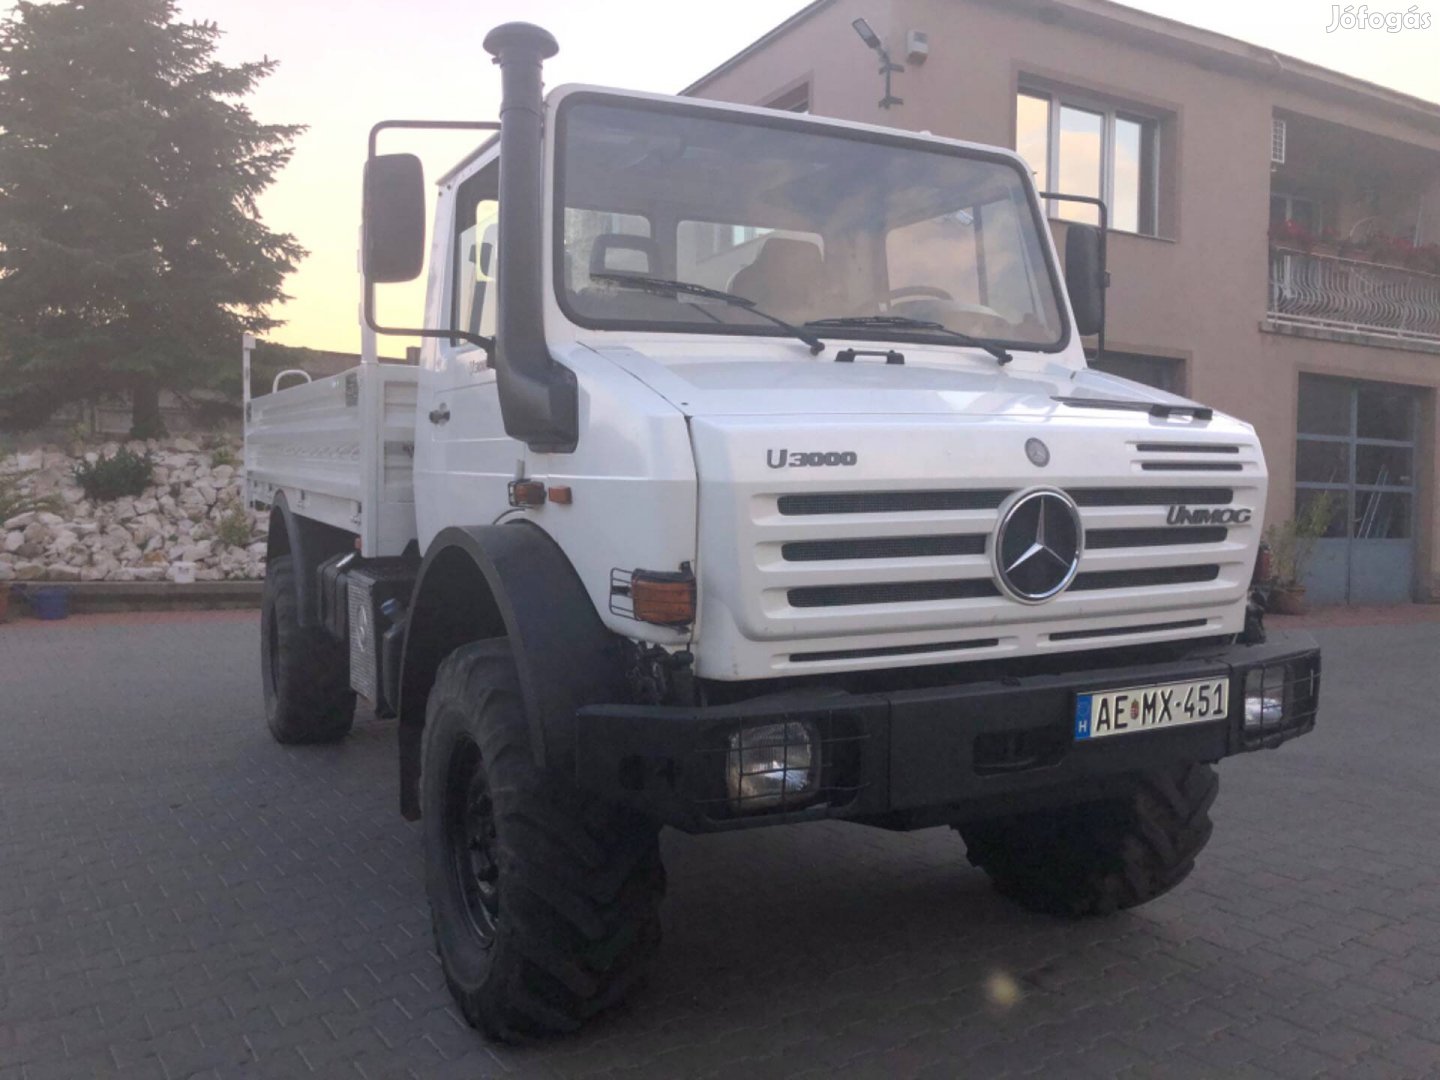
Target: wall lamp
[(887, 66)]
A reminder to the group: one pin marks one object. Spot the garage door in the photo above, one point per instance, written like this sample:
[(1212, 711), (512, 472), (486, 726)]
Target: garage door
[(1356, 442)]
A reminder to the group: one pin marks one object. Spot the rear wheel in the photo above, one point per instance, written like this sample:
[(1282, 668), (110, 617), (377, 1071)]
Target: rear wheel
[(544, 900), (1099, 858), (306, 672)]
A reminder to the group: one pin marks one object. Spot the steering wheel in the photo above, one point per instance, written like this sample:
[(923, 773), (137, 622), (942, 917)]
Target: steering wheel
[(911, 291)]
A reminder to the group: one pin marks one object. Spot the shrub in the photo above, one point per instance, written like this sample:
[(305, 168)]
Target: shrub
[(125, 473), (233, 528), (223, 455), (1292, 542), (14, 501)]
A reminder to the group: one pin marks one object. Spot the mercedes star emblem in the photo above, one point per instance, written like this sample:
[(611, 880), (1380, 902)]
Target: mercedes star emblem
[(1037, 545)]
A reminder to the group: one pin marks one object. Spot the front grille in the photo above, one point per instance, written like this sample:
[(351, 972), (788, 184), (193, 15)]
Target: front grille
[(1152, 496), (897, 592), (890, 502), (842, 569), (1133, 579), (1185, 448), (1192, 466), (1118, 631), (892, 650), (884, 547), (1102, 539)]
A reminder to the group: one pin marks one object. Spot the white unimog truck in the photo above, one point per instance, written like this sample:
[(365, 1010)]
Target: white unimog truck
[(752, 474)]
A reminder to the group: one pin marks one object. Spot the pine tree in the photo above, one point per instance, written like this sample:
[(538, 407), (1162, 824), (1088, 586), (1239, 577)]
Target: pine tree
[(132, 253)]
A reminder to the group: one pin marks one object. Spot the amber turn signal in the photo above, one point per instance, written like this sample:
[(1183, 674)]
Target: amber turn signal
[(661, 598)]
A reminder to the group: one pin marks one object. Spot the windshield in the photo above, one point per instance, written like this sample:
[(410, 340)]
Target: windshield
[(804, 224)]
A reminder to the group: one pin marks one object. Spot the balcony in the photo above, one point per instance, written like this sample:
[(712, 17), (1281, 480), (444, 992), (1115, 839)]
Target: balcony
[(1354, 296), (1354, 235)]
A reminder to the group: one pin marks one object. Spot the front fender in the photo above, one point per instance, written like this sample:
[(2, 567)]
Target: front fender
[(509, 581)]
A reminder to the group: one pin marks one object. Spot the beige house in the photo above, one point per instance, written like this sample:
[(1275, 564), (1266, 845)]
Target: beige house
[(1275, 227)]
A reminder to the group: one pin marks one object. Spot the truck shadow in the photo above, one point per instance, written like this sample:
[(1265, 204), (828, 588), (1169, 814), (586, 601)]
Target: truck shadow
[(838, 941)]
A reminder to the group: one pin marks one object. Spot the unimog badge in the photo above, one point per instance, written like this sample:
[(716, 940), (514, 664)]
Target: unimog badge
[(1205, 515)]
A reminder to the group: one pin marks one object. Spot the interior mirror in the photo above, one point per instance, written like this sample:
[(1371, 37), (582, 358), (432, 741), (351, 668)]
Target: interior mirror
[(1085, 277), (394, 218)]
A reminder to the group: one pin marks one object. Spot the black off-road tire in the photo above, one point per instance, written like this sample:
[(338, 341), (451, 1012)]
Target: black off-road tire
[(545, 900), (306, 672), (1099, 858)]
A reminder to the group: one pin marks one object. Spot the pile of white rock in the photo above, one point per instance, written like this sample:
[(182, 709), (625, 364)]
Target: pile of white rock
[(189, 524)]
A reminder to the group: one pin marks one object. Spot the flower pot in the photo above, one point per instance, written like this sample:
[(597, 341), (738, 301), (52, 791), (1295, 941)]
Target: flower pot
[(49, 603), (1288, 600)]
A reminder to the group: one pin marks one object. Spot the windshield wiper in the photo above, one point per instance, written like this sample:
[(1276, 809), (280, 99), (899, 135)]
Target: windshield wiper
[(904, 322), (663, 286)]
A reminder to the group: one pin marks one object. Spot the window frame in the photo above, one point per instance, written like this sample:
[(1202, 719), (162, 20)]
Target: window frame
[(800, 123), (464, 209), (1351, 490), (1110, 111), (796, 99)]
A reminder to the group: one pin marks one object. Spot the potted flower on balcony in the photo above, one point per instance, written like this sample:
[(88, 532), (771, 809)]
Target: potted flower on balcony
[(1292, 234), (1292, 543)]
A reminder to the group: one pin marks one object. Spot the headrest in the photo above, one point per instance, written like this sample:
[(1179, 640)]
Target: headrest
[(605, 243), (786, 255)]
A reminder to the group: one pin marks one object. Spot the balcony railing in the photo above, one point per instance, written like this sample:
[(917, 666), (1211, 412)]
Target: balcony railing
[(1333, 293)]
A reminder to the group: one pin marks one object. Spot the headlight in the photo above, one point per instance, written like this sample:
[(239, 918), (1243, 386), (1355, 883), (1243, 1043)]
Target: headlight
[(773, 765), (1263, 709), (1265, 697)]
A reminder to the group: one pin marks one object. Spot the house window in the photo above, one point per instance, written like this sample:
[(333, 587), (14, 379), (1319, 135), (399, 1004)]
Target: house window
[(795, 100), (1083, 147), (1161, 372), (1296, 208)]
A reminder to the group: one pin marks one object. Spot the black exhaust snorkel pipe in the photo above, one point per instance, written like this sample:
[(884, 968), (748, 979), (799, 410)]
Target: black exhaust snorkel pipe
[(538, 397)]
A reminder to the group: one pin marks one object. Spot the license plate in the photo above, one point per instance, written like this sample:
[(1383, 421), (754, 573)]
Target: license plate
[(1143, 708)]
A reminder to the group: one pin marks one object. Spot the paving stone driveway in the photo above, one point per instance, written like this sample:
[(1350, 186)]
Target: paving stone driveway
[(179, 896)]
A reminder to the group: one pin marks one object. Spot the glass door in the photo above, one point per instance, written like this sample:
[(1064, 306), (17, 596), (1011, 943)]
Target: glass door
[(1356, 444)]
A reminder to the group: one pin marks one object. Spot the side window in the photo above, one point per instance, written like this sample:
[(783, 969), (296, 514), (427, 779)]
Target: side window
[(475, 259)]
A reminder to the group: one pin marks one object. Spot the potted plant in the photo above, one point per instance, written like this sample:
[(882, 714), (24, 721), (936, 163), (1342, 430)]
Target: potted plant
[(1292, 543)]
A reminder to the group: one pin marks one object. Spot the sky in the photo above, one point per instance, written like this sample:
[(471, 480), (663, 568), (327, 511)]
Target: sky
[(345, 64)]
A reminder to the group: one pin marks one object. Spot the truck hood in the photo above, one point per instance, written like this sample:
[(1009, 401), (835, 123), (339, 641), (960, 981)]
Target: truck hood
[(930, 382), (848, 514)]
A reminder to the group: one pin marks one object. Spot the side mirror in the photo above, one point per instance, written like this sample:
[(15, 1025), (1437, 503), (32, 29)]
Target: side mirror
[(1085, 277), (394, 218)]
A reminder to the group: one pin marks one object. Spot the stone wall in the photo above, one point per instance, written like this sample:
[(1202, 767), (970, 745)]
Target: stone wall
[(192, 513)]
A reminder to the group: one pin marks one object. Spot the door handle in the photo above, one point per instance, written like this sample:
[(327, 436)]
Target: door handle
[(440, 415)]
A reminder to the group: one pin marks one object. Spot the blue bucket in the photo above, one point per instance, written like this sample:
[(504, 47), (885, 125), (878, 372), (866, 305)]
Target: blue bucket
[(49, 603)]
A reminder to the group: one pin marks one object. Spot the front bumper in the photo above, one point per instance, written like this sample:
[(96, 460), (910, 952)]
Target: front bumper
[(911, 758)]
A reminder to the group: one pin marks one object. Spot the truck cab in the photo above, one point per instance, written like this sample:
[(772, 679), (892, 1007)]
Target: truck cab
[(753, 474)]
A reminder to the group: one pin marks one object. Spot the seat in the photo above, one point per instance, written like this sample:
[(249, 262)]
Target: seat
[(621, 254), (606, 243), (786, 279)]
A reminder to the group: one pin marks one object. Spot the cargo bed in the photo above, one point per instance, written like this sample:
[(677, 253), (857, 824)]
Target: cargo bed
[(341, 449)]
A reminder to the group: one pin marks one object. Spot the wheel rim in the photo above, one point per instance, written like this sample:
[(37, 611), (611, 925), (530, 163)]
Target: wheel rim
[(470, 829)]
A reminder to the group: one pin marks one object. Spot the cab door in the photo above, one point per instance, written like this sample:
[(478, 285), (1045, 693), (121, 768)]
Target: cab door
[(468, 459)]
